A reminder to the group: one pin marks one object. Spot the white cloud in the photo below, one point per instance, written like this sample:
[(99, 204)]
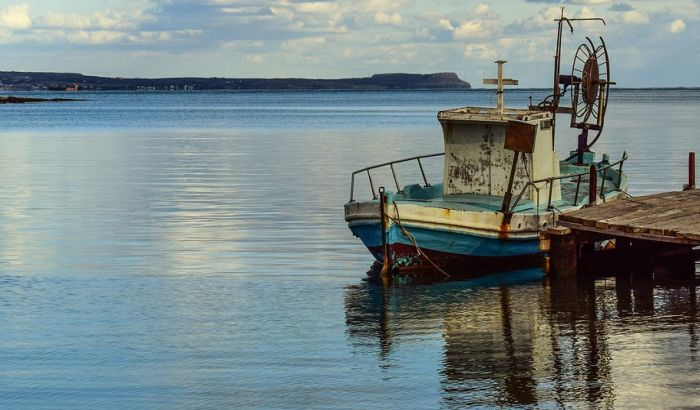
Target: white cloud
[(106, 20), (306, 42), (676, 26), (635, 17), (16, 17), (160, 36), (148, 54), (94, 37), (481, 9), (255, 58), (395, 55), (240, 10), (445, 23), (545, 18), (292, 37), (480, 51), (424, 33), (242, 45), (282, 12), (592, 2), (380, 5), (470, 29), (316, 7), (387, 18)]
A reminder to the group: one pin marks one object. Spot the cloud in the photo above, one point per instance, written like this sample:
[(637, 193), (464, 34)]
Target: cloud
[(255, 58), (542, 19), (635, 17), (379, 5), (590, 2), (621, 7), (481, 9), (424, 33), (387, 18), (16, 17), (579, 2), (161, 36), (480, 51), (94, 37), (97, 20), (282, 12), (470, 29), (148, 54), (316, 7), (244, 10), (302, 43), (106, 37), (294, 37), (445, 24), (676, 26)]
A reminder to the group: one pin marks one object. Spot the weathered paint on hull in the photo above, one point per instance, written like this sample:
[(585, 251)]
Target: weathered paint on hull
[(406, 258), (457, 253)]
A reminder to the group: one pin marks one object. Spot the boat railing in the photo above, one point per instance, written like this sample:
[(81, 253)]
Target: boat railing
[(393, 173), (579, 176)]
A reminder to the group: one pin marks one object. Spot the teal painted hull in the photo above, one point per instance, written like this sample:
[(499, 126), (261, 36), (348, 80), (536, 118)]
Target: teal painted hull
[(455, 252)]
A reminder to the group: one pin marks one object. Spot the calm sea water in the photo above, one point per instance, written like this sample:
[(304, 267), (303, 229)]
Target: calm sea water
[(188, 250)]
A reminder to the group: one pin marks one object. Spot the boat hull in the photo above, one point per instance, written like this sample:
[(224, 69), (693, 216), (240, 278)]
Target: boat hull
[(465, 235), (454, 251)]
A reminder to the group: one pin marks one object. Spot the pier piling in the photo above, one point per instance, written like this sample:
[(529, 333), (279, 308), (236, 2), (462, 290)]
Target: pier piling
[(691, 172)]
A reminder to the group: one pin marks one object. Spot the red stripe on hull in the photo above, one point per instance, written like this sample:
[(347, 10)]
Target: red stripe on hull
[(405, 259)]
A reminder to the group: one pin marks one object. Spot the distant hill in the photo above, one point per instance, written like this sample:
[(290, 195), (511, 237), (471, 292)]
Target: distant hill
[(16, 81)]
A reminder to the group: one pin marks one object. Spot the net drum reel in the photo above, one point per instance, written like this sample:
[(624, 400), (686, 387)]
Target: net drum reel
[(590, 84), (590, 74)]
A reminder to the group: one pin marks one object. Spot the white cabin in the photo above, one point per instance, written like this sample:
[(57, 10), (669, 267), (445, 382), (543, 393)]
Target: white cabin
[(479, 155)]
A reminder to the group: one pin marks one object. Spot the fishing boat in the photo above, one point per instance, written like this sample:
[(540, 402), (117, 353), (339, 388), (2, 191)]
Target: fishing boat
[(503, 182)]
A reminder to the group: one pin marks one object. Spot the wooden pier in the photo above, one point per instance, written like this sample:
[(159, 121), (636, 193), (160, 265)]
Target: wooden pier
[(647, 234)]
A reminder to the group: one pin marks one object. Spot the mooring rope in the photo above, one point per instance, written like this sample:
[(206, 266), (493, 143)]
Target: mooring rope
[(411, 238), (626, 193)]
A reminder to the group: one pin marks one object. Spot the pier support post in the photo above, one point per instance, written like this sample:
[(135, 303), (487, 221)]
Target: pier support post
[(691, 172), (563, 253), (673, 262)]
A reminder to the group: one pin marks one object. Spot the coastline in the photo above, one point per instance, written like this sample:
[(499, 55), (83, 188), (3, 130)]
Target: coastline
[(11, 99)]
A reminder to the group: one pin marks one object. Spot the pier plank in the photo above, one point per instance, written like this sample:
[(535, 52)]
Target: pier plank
[(588, 216), (666, 217), (669, 223), (653, 216)]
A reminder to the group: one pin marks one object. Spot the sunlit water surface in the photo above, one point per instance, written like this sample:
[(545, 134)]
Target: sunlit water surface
[(188, 250)]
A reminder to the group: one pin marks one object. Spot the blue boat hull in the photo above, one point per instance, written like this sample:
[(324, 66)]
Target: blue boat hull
[(465, 254)]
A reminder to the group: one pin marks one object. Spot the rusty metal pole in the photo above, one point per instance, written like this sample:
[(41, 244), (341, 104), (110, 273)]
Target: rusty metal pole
[(691, 172), (592, 185), (383, 225), (505, 207)]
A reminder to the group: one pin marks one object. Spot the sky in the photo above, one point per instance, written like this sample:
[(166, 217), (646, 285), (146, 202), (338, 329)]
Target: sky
[(650, 43)]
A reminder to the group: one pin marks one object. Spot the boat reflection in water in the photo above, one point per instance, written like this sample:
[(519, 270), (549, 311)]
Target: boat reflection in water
[(596, 342)]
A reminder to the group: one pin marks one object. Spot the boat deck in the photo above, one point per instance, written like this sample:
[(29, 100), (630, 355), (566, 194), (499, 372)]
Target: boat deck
[(572, 197)]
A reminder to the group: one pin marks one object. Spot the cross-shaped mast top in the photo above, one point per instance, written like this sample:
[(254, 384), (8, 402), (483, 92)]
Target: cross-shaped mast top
[(500, 81)]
